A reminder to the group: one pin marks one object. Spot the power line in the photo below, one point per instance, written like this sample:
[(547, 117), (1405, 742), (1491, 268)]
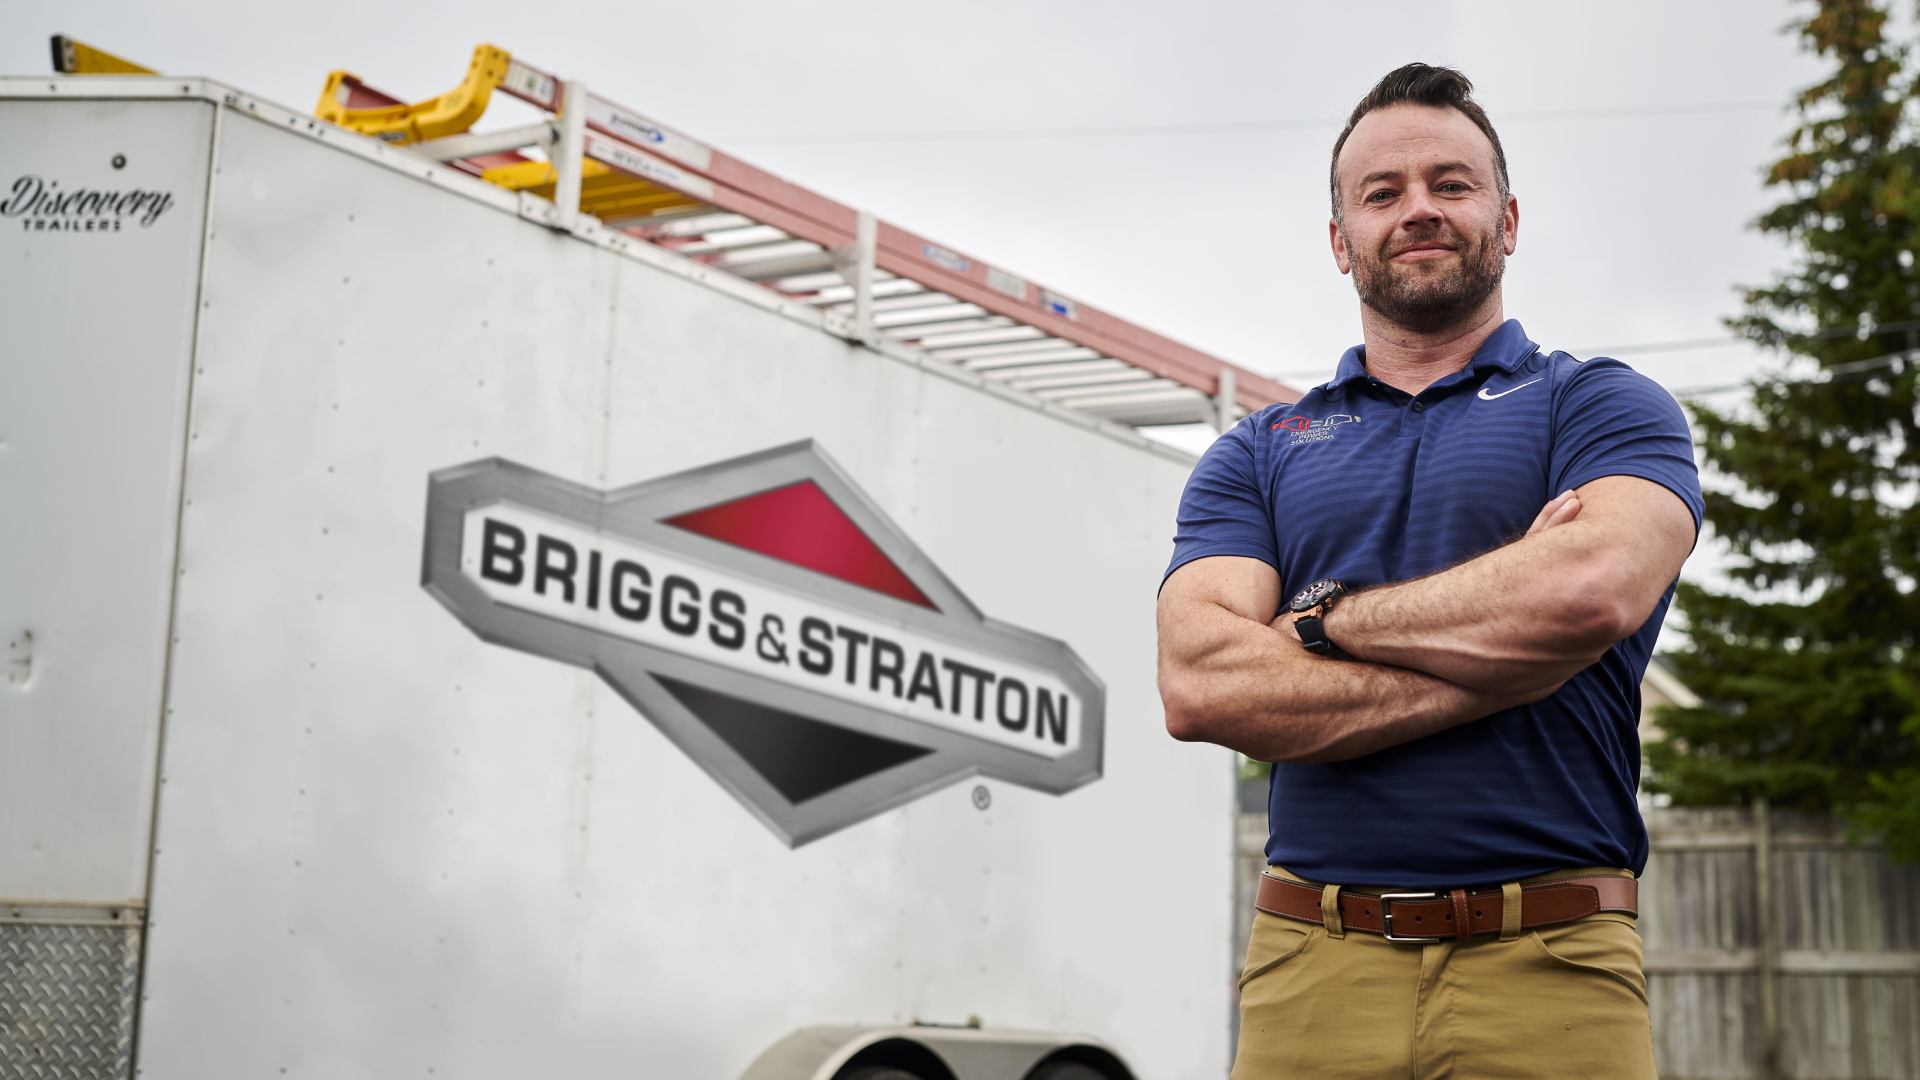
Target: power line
[(989, 134), (1230, 127), (1703, 391), (1661, 346), (1305, 374), (1719, 342), (1628, 112), (1854, 367)]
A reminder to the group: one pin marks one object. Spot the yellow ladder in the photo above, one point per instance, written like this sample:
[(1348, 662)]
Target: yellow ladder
[(604, 192), (71, 57)]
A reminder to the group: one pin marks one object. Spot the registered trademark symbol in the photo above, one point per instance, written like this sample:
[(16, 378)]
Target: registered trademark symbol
[(119, 161), (982, 798)]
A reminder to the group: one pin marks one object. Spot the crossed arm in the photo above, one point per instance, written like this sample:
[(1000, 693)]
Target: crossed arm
[(1497, 631)]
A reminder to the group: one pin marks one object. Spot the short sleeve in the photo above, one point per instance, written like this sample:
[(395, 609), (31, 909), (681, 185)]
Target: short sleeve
[(1613, 421), (1222, 511)]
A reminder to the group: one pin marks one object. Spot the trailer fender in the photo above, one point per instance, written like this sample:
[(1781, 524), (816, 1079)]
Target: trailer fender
[(932, 1053)]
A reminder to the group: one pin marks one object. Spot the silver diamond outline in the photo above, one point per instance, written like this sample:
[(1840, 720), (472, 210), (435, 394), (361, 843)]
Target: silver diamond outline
[(637, 512)]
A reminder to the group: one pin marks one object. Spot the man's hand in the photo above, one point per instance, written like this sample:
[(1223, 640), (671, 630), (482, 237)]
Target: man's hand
[(1531, 614), (1232, 673), (1559, 510)]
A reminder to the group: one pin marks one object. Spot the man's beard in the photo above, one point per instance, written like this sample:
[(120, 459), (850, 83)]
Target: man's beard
[(1424, 302)]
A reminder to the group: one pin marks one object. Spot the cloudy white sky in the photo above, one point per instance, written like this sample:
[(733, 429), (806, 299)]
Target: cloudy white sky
[(1166, 162), (977, 124)]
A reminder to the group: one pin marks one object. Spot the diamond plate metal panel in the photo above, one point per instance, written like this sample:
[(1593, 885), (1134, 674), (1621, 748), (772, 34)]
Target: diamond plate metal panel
[(66, 1001)]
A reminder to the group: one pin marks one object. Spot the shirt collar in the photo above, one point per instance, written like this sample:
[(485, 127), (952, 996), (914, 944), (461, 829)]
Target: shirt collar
[(1506, 349)]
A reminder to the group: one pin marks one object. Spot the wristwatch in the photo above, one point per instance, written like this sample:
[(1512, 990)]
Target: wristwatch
[(1309, 608)]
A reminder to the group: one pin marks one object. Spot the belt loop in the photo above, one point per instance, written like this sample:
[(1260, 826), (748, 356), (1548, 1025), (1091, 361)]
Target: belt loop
[(1330, 912), (1462, 916), (1510, 911)]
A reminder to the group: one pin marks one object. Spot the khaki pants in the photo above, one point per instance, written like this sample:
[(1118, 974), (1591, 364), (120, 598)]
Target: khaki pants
[(1561, 1001)]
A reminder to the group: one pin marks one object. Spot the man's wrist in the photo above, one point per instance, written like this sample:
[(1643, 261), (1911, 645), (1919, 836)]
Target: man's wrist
[(1343, 626), (1310, 609), (1338, 619)]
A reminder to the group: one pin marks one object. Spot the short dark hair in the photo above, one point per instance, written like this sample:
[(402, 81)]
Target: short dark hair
[(1421, 84)]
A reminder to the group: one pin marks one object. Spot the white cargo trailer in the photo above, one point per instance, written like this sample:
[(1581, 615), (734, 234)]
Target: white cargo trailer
[(310, 767)]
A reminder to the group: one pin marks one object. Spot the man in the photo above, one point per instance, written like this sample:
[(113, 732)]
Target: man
[(1427, 592)]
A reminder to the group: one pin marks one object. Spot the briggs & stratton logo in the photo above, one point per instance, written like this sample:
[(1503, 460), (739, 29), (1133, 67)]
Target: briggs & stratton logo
[(774, 624)]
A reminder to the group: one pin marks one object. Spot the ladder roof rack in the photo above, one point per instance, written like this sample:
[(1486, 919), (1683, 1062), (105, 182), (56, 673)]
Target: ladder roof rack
[(658, 184)]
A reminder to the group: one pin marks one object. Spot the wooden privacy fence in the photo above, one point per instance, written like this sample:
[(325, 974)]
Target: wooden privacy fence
[(1774, 949)]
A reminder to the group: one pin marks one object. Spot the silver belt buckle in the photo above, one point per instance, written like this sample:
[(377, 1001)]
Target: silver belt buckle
[(1386, 917)]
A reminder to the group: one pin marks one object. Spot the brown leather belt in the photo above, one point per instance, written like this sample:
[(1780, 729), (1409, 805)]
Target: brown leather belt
[(1429, 917)]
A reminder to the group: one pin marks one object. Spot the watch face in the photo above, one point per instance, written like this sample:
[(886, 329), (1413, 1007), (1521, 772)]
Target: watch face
[(1315, 594)]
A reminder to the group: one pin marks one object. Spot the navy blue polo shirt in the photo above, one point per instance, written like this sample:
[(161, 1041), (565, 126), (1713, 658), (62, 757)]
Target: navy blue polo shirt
[(1362, 482)]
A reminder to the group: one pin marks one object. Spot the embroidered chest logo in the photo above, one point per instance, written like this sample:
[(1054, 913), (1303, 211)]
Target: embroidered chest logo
[(1311, 431)]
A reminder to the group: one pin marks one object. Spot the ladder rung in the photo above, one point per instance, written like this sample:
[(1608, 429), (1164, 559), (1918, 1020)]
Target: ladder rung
[(998, 328), (1002, 367)]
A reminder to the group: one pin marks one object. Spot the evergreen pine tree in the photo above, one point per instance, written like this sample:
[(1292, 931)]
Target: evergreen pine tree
[(1808, 664)]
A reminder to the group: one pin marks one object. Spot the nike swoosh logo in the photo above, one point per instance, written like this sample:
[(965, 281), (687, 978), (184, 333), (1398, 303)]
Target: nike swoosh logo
[(1484, 396)]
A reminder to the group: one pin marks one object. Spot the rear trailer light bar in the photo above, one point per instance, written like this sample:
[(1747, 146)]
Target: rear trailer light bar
[(650, 181)]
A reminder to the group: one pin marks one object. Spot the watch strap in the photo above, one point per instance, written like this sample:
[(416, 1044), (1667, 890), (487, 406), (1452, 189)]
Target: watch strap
[(1313, 634), (1312, 629)]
